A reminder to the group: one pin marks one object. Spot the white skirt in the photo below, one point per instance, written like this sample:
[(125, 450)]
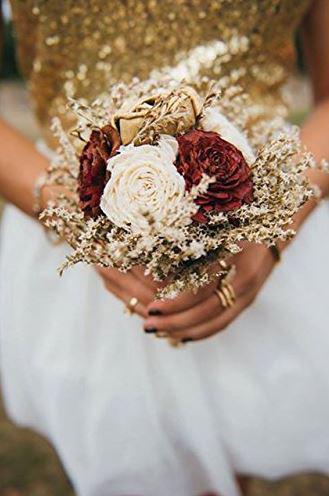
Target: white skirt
[(130, 415)]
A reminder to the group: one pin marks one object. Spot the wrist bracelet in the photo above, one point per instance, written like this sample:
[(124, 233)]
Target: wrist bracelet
[(40, 183), (276, 253)]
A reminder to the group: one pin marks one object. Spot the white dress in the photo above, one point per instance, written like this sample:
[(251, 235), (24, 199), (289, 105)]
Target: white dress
[(130, 415)]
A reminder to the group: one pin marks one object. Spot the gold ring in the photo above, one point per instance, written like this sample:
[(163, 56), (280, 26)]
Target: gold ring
[(131, 305), (230, 289), (176, 343), (226, 294), (221, 297), (161, 334), (223, 264)]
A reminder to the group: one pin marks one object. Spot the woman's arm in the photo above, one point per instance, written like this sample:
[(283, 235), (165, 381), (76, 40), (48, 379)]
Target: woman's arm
[(20, 167), (20, 163), (315, 131), (197, 317)]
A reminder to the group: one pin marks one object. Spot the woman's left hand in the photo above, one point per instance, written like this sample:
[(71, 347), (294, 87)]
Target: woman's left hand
[(193, 317)]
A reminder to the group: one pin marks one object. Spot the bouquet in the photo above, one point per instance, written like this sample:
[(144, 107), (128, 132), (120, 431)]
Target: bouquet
[(173, 178)]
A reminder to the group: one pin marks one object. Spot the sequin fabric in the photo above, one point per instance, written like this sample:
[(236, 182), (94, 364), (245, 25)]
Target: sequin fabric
[(78, 48)]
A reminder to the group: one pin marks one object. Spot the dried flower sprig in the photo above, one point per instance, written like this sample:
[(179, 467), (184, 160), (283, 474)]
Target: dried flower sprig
[(181, 251)]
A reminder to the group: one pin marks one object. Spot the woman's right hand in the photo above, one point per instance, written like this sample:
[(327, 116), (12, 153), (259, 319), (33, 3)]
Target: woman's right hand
[(133, 284)]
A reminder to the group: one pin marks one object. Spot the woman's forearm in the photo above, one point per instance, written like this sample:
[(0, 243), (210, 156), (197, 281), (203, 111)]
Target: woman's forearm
[(20, 166), (315, 136)]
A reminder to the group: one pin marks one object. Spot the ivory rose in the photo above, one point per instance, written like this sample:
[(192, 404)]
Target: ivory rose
[(144, 186)]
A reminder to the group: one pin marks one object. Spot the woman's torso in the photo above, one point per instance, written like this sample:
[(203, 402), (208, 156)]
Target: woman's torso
[(78, 48)]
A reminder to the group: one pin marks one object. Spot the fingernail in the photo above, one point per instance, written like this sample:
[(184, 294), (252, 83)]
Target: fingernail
[(154, 312), (151, 330), (186, 340)]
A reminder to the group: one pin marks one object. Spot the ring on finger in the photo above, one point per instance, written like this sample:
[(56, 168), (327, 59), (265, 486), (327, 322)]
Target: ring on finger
[(226, 295), (221, 297), (176, 343), (161, 334), (229, 288), (131, 305)]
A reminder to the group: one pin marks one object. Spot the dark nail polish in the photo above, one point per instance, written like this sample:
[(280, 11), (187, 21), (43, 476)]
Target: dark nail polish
[(150, 330), (154, 312), (186, 340)]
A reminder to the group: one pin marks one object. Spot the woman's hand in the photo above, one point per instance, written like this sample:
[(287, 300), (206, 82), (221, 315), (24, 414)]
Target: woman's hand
[(193, 317), (133, 284)]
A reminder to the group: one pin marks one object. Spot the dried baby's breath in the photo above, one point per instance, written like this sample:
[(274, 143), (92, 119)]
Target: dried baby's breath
[(182, 252)]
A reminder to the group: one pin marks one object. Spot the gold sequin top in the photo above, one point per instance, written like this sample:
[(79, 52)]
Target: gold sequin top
[(79, 47)]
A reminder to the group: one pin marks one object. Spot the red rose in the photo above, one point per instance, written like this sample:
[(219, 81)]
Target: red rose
[(102, 144), (202, 152)]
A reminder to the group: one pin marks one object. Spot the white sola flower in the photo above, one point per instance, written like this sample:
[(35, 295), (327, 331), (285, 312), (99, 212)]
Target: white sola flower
[(144, 185), (214, 120)]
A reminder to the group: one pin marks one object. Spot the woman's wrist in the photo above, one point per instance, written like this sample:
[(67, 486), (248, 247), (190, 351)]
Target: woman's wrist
[(20, 166)]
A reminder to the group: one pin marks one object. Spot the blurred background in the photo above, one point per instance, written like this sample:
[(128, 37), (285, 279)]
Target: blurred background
[(28, 464)]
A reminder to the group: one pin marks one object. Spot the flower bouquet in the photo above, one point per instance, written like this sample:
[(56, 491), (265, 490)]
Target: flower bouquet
[(174, 179)]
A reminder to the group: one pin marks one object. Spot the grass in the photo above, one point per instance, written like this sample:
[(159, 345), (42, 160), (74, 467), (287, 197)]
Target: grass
[(28, 465)]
